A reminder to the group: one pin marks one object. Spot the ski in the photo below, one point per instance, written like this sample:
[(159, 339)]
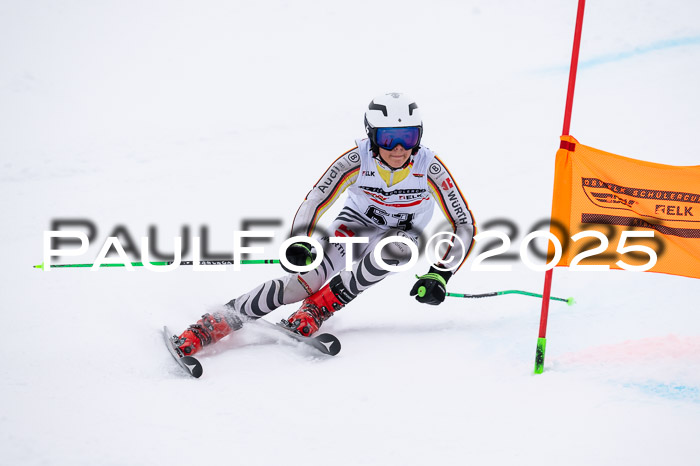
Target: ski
[(188, 363), (325, 342)]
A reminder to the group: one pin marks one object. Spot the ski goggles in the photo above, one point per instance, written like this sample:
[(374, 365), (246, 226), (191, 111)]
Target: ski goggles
[(388, 138)]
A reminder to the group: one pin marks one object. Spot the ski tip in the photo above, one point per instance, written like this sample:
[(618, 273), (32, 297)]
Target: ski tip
[(329, 342), (193, 366)]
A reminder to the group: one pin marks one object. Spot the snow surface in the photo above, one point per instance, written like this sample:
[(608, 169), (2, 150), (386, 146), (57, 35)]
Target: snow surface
[(208, 113)]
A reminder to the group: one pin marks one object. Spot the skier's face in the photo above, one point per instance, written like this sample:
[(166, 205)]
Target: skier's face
[(396, 157)]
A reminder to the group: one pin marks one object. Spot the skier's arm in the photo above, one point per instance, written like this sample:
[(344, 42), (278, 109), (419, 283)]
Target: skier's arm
[(455, 208), (341, 174), (430, 288)]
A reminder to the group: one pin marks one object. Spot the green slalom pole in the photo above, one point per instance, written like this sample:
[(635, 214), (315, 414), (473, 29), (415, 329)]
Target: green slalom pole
[(163, 263), (569, 301)]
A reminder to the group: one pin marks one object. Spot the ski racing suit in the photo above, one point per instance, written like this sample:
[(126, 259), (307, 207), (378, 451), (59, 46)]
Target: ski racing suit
[(381, 202)]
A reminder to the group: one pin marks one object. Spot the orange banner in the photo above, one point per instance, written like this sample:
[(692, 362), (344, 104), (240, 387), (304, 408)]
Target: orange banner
[(607, 193)]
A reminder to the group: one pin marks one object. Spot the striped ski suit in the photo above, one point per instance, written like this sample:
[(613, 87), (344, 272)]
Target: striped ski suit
[(381, 202)]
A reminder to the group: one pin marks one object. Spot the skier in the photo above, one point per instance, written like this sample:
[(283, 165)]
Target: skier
[(393, 184)]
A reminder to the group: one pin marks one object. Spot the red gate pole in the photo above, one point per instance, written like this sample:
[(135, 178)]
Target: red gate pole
[(542, 336)]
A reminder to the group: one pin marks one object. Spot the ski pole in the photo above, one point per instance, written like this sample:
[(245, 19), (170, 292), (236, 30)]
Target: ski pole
[(140, 264), (569, 301)]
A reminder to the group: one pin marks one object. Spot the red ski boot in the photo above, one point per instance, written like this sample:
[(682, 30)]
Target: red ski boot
[(319, 307), (209, 329)]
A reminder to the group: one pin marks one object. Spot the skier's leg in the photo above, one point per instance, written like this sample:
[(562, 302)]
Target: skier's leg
[(367, 271), (290, 288), (258, 302), (346, 285), (319, 303)]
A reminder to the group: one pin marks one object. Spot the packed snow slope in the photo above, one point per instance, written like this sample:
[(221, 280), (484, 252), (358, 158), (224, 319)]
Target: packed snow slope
[(180, 114)]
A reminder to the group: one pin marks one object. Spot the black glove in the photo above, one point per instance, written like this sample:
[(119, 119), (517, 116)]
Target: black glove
[(430, 288), (299, 254)]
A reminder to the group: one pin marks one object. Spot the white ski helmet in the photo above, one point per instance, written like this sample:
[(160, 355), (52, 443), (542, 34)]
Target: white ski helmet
[(394, 110)]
